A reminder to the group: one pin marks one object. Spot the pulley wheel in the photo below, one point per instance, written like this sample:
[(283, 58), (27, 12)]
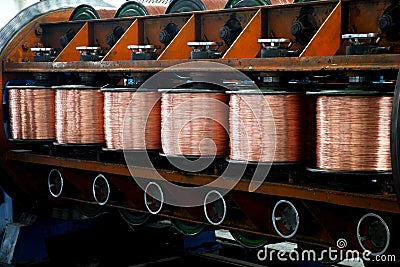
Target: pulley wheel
[(246, 3), (89, 210), (134, 218), (178, 6), (250, 240), (84, 12), (187, 228), (131, 9)]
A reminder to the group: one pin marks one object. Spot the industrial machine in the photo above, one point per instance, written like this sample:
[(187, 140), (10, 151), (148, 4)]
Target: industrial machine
[(305, 147)]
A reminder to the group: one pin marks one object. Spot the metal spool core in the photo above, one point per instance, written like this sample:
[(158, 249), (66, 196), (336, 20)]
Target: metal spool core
[(55, 183), (285, 219), (215, 211), (101, 190), (373, 234), (153, 198)]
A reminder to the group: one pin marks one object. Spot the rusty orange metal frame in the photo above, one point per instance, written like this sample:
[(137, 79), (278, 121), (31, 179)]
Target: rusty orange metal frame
[(69, 53), (177, 48), (328, 37), (325, 54), (246, 45), (120, 50)]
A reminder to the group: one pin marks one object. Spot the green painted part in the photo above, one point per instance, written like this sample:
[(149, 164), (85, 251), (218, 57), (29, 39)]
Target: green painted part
[(178, 6), (250, 240), (131, 9), (187, 228), (134, 218), (84, 12), (89, 210), (246, 3)]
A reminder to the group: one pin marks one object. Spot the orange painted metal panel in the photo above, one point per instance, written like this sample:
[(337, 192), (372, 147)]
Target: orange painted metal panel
[(69, 53), (327, 40), (18, 50), (246, 45), (178, 49), (120, 50)]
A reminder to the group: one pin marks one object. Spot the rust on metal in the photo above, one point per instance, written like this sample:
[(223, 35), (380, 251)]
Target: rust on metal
[(246, 45), (327, 37), (69, 53), (120, 50), (385, 203), (175, 50)]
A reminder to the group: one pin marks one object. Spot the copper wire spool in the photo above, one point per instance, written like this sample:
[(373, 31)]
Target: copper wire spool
[(144, 111), (194, 123), (353, 132), (251, 124), (32, 113), (79, 115)]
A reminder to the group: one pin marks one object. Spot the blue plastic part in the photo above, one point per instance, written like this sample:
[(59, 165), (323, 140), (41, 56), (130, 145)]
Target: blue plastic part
[(6, 211)]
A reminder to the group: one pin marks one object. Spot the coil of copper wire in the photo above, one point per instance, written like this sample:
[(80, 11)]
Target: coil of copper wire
[(32, 112), (194, 123), (254, 124), (79, 115), (138, 113), (353, 132)]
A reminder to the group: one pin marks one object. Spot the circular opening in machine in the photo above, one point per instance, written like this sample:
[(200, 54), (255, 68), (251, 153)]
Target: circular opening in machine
[(101, 190), (153, 198), (285, 219), (215, 210), (55, 182), (373, 234)]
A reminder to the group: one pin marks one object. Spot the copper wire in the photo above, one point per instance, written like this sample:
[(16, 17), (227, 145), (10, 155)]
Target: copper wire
[(193, 124), (79, 116), (32, 113), (144, 111), (252, 131), (353, 133)]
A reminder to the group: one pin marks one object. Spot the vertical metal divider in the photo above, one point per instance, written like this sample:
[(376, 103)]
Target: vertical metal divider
[(328, 36), (178, 49), (246, 45), (69, 53), (120, 50)]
